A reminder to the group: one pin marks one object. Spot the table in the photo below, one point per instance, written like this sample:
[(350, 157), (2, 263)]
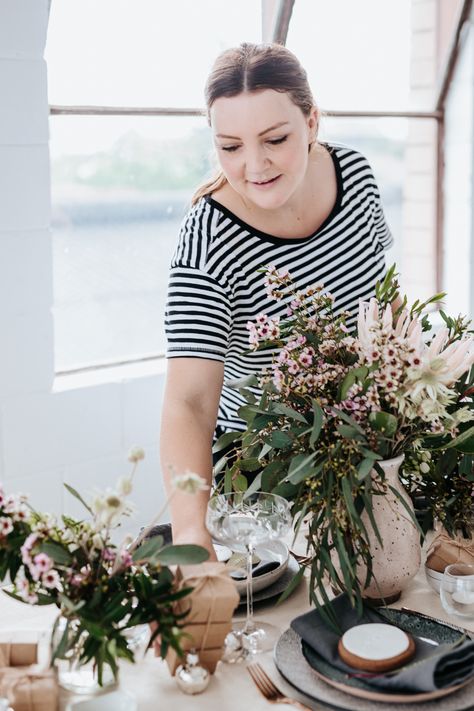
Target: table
[(231, 688)]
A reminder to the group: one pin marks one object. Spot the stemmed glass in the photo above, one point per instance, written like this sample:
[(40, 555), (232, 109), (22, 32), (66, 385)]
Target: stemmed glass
[(242, 522)]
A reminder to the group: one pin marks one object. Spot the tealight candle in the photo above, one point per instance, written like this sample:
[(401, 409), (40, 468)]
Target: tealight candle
[(464, 597)]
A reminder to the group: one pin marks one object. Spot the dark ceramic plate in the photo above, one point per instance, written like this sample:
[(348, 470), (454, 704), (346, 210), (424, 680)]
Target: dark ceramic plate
[(315, 677), (278, 587)]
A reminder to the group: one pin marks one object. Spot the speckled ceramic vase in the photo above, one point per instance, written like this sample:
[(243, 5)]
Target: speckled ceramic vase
[(398, 561)]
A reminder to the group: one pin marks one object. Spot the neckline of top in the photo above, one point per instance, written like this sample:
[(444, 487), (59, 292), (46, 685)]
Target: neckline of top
[(286, 240)]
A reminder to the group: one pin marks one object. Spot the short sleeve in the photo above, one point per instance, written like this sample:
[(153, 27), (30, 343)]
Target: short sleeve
[(382, 229), (197, 315)]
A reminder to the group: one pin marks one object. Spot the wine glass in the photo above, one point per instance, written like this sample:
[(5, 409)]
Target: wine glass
[(243, 522), (457, 590)]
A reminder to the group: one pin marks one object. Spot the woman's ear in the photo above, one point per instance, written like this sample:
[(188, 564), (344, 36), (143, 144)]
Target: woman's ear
[(313, 124)]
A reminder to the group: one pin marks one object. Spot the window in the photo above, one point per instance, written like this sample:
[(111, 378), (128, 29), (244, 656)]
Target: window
[(120, 184)]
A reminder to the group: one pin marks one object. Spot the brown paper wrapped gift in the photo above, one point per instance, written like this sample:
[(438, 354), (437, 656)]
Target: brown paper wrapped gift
[(20, 648), (29, 688), (445, 550), (210, 607)]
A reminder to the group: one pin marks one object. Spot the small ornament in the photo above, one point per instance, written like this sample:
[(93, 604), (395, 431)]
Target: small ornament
[(191, 677)]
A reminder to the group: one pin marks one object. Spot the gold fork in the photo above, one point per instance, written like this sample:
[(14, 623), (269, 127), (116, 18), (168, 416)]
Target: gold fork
[(266, 687)]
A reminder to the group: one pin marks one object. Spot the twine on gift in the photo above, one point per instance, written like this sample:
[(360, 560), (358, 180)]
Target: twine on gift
[(466, 544), (5, 654), (206, 580), (9, 686)]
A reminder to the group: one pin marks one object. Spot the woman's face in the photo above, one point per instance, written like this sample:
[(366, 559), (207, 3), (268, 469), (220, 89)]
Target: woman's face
[(262, 140)]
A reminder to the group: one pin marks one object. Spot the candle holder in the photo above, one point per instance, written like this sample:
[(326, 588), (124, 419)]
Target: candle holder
[(457, 590)]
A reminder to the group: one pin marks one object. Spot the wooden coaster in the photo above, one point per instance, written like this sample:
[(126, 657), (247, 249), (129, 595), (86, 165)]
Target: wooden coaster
[(376, 647)]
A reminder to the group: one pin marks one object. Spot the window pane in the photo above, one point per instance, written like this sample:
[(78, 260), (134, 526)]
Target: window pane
[(120, 188), (402, 153), (357, 54), (141, 52), (383, 143)]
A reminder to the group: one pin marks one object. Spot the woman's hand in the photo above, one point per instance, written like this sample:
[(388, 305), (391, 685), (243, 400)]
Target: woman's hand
[(198, 536)]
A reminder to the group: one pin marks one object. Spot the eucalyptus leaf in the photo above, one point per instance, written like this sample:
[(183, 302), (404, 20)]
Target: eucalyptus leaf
[(240, 483), (318, 420), (148, 548), (282, 409), (364, 468), (57, 552), (463, 442), (383, 422), (346, 385), (225, 440), (182, 554), (293, 584), (279, 440), (271, 475), (249, 465)]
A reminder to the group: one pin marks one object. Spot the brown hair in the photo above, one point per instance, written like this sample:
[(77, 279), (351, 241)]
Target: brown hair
[(253, 67)]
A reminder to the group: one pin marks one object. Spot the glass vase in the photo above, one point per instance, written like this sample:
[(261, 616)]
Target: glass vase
[(67, 641)]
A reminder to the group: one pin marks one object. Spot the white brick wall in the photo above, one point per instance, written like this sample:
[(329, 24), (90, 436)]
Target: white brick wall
[(51, 434), (418, 267), (458, 185)]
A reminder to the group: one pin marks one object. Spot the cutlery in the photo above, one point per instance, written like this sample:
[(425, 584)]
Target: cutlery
[(469, 633), (268, 689), (259, 569)]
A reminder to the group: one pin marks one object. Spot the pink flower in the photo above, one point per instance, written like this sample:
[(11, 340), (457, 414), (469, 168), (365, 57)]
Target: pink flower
[(126, 558), (261, 318), (43, 562), (27, 546), (305, 359), (293, 367), (50, 579), (6, 526)]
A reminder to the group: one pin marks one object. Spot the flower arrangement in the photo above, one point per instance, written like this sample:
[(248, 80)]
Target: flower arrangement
[(335, 403), (102, 589)]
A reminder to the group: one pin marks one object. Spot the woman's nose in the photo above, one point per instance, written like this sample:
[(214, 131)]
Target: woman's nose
[(256, 162)]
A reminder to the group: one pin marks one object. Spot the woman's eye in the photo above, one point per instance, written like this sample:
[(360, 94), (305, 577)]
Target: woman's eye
[(277, 141), (229, 149)]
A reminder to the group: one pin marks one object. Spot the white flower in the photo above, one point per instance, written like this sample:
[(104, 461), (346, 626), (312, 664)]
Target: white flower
[(136, 454), (190, 483), (124, 486)]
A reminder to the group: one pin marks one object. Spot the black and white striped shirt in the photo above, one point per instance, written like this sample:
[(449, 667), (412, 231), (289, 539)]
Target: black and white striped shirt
[(215, 285)]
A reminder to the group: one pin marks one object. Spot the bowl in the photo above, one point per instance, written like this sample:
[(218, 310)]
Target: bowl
[(434, 578), (271, 551)]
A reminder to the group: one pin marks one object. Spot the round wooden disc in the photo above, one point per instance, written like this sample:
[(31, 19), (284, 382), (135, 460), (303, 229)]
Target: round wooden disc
[(377, 665)]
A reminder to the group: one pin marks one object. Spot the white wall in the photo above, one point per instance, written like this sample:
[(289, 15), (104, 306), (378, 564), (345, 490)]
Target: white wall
[(458, 277), (78, 430)]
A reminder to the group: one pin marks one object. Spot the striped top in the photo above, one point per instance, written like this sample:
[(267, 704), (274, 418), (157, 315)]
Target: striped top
[(215, 285)]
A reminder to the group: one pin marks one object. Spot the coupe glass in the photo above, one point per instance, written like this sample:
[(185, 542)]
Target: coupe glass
[(242, 523), (457, 590)]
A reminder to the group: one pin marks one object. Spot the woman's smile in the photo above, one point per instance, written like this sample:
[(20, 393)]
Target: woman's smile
[(263, 184)]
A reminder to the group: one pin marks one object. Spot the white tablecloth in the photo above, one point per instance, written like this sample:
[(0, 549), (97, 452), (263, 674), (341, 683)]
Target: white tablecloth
[(231, 688)]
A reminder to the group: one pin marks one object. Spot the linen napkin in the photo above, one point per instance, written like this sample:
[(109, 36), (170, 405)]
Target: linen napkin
[(432, 667)]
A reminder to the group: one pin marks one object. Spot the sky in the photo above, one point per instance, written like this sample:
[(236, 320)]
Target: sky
[(159, 52)]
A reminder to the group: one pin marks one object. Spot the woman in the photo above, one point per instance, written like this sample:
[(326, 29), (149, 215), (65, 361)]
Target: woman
[(281, 199)]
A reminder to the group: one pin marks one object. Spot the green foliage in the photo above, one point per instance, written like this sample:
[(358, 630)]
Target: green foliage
[(100, 589), (331, 407)]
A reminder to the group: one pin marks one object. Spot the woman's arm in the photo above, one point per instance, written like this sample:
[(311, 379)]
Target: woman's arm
[(193, 389)]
